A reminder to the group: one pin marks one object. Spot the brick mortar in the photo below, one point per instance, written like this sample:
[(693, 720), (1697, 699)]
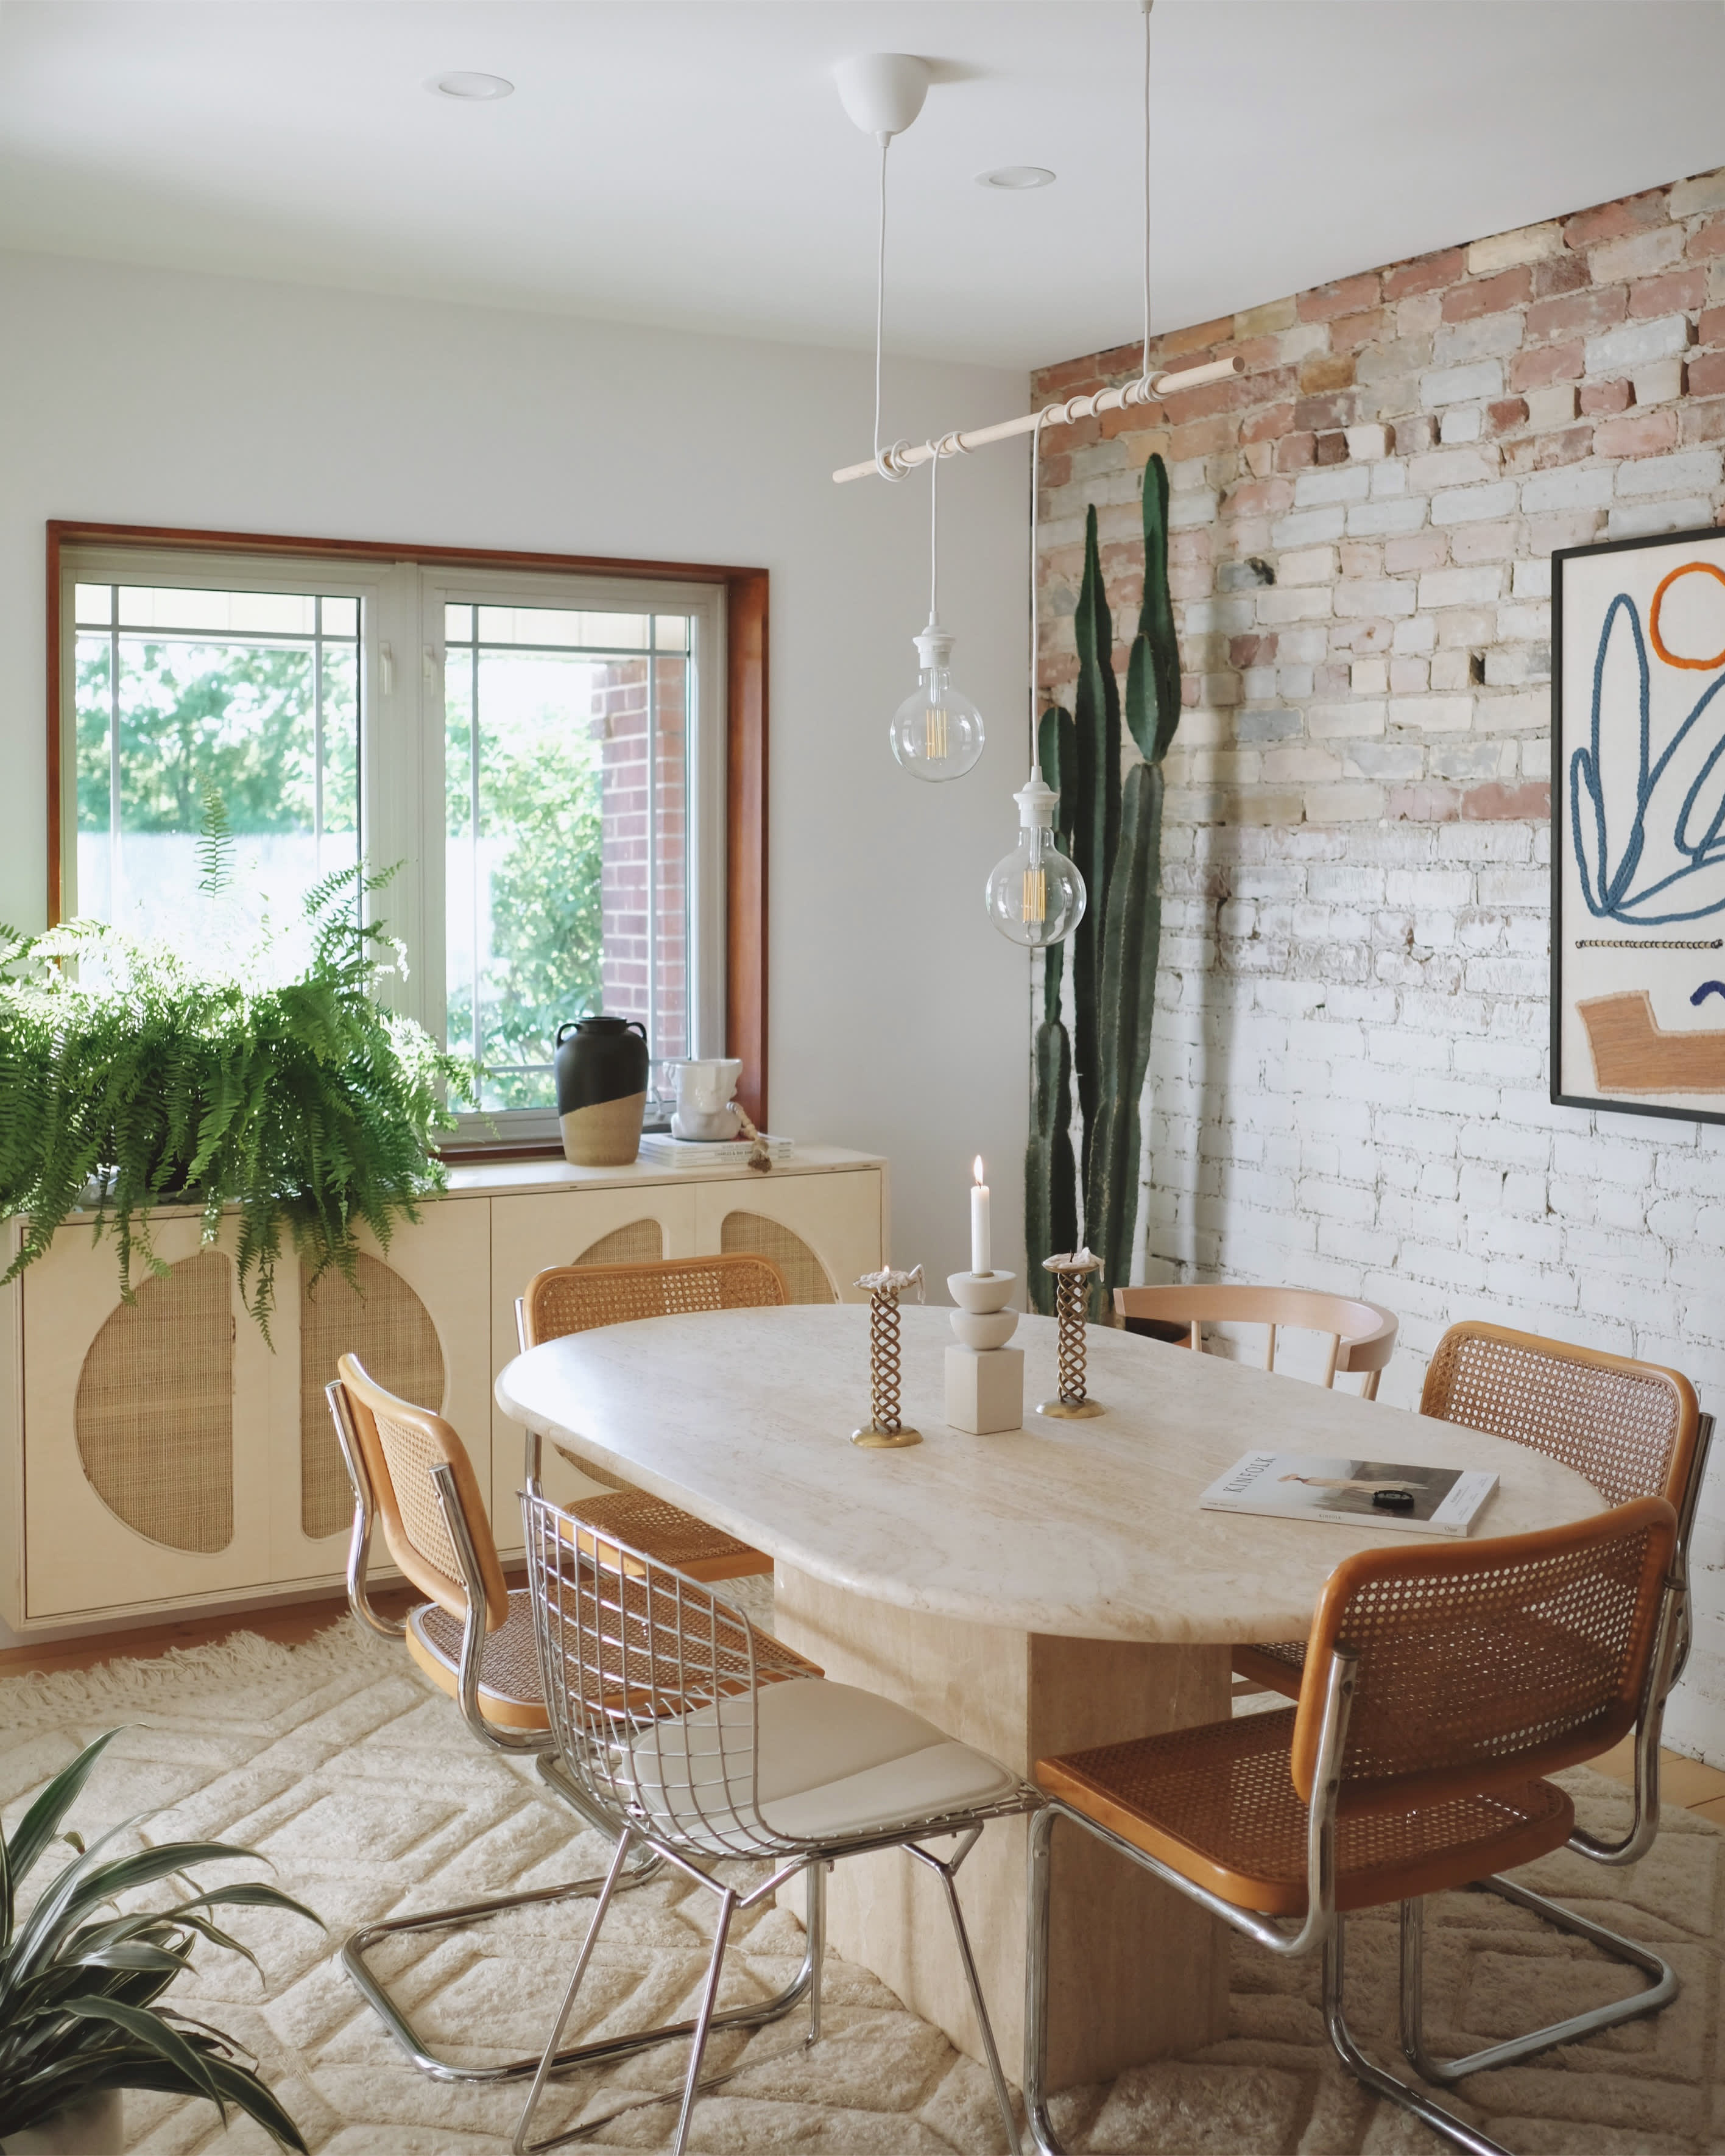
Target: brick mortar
[(1349, 1086)]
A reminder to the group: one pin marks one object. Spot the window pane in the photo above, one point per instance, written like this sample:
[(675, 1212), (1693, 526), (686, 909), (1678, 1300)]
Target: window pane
[(670, 632), (557, 626), (286, 614), (92, 603), (341, 617), (170, 726), (458, 624)]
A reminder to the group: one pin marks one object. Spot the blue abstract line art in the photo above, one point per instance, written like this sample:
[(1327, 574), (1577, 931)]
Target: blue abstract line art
[(1648, 819), (1708, 989)]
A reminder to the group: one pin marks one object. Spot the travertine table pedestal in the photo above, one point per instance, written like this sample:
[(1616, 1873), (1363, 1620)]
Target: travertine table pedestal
[(1137, 1971)]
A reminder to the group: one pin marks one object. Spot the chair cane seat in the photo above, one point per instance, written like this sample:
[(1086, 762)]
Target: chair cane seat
[(510, 1693), (668, 1534), (1218, 1805)]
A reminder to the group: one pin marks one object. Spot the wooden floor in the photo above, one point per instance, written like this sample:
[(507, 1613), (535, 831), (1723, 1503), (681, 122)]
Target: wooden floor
[(1687, 1783)]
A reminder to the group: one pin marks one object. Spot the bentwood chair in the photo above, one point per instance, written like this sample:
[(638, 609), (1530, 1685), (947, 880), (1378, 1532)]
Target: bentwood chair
[(566, 1299), (1362, 1336), (474, 1638), (710, 1744), (1633, 1429), (1442, 1684)]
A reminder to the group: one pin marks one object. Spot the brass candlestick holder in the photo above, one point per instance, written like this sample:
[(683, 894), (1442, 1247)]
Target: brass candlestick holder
[(1071, 1274), (884, 1431)]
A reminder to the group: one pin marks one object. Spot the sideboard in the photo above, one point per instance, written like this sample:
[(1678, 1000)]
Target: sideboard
[(161, 1455)]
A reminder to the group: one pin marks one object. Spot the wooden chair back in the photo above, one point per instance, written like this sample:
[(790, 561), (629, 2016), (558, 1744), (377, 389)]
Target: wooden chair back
[(1362, 1336), (1630, 1428), (1484, 1664), (401, 1445), (565, 1299)]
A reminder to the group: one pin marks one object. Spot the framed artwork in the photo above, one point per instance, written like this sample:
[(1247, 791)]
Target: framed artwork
[(1638, 826)]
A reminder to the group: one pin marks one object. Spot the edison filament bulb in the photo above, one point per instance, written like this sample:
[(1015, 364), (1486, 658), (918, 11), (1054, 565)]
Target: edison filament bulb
[(936, 732), (1035, 896)]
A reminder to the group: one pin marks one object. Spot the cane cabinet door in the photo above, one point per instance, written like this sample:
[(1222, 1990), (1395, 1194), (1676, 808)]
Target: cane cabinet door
[(639, 1223), (148, 1428), (418, 1316), (823, 1231)]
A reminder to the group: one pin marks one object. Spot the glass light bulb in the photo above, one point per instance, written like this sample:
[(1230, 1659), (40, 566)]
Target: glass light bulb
[(1035, 896), (936, 732)]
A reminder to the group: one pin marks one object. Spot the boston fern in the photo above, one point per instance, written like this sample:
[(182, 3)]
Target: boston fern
[(141, 1080), (79, 1981)]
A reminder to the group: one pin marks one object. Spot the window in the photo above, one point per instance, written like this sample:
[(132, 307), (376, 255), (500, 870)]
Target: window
[(543, 754)]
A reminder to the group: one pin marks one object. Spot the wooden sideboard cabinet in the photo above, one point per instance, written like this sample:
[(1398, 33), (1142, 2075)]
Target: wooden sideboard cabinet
[(158, 1456)]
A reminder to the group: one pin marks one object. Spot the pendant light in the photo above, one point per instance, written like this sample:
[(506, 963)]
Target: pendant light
[(1035, 896), (937, 732)]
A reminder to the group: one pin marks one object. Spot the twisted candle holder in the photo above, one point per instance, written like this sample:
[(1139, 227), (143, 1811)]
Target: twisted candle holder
[(1071, 1294), (884, 1431)]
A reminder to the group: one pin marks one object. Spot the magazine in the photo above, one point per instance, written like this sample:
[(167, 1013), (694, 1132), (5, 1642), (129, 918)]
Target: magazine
[(1382, 1493)]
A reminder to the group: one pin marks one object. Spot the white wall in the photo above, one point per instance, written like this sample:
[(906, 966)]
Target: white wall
[(142, 397)]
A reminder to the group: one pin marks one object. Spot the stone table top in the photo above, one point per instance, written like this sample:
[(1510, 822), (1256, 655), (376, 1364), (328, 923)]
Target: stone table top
[(1090, 1529)]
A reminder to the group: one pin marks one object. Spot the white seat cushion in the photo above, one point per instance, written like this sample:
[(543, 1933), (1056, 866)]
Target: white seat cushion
[(834, 1761)]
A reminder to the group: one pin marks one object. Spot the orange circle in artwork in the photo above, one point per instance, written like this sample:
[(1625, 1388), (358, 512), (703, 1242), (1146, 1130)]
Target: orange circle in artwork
[(1670, 658)]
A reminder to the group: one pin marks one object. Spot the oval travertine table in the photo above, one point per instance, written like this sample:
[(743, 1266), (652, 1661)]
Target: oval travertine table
[(1038, 1591)]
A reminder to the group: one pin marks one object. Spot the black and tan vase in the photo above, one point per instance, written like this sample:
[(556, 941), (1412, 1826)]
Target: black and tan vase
[(602, 1090)]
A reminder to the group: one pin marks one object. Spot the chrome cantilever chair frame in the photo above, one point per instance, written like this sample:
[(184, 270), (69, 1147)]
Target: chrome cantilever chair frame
[(542, 1746), (1324, 1927), (643, 1689)]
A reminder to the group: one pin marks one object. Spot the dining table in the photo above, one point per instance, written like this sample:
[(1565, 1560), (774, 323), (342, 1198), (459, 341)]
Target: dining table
[(1033, 1592)]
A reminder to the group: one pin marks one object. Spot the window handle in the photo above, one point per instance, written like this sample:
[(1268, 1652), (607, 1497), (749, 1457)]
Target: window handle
[(386, 668), (430, 665)]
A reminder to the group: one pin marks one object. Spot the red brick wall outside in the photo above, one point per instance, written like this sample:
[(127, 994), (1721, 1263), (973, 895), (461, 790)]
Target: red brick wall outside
[(1350, 1088), (645, 929)]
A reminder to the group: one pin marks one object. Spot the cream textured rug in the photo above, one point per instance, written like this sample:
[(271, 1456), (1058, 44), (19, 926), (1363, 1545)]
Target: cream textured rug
[(362, 1785)]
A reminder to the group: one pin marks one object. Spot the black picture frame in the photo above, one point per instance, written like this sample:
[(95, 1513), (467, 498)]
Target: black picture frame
[(1564, 1092)]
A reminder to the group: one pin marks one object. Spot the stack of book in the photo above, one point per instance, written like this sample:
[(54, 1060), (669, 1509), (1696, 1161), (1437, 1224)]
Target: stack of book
[(660, 1148)]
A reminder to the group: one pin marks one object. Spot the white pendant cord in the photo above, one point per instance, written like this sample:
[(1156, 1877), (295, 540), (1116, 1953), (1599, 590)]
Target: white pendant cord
[(1035, 617), (1145, 365), (886, 461), (934, 540)]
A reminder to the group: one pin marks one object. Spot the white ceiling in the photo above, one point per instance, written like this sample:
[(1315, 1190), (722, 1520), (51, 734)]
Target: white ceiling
[(687, 162)]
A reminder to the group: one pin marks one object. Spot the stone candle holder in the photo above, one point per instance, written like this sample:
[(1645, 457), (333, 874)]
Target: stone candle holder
[(985, 1378)]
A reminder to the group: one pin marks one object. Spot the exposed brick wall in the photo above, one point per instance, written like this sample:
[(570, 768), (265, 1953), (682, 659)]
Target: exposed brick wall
[(642, 929), (1349, 1088)]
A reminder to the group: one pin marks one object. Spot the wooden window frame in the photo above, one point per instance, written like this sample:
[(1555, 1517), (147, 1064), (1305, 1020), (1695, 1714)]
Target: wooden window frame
[(746, 724)]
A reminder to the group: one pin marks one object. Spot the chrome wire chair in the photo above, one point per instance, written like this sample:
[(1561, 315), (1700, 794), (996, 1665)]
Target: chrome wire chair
[(565, 1299), (1441, 1685), (1633, 1429), (709, 1741), (474, 1639)]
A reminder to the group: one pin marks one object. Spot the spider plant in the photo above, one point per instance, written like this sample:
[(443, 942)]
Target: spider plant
[(79, 1981)]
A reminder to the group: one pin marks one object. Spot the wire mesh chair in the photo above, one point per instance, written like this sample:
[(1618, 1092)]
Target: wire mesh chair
[(1362, 1336), (1633, 1429), (1441, 1685), (565, 1299), (474, 1639), (711, 1741)]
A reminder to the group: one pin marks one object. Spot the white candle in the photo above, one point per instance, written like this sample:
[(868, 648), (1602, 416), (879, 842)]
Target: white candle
[(981, 1261)]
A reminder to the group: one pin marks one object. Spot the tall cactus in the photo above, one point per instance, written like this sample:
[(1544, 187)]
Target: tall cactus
[(1115, 839)]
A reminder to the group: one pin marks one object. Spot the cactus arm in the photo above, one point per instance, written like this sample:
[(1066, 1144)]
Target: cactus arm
[(1096, 718), (1131, 939), (1050, 1178)]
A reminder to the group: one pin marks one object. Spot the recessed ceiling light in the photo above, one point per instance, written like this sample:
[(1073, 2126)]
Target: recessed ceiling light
[(1016, 178), (476, 89)]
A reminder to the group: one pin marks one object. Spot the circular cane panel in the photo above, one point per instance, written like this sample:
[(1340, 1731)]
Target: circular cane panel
[(154, 1415), (380, 1319), (639, 1243), (805, 1276)]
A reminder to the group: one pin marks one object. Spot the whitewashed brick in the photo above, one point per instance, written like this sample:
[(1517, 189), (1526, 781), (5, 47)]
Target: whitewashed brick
[(1301, 341), (1433, 715), (1306, 565), (1460, 467), (1458, 385), (1532, 579), (1346, 721), (1572, 487), (1640, 254), (1637, 520), (1530, 243), (1228, 616), (1185, 511), (1486, 336), (1619, 351), (1307, 527), (1418, 633), (1332, 483), (1355, 597), (1473, 505), (1451, 588), (1309, 602), (1365, 444), (1462, 423), (1368, 677), (1377, 520), (1690, 471), (1659, 383)]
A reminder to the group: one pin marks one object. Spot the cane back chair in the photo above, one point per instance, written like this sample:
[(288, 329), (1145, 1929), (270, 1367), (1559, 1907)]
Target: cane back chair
[(1633, 1429), (1362, 1336), (1441, 1685), (474, 1639), (711, 1742), (566, 1299)]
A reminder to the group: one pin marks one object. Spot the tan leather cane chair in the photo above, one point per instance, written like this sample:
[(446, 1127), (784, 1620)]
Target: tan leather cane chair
[(565, 1299), (1441, 1685), (1362, 1336), (474, 1639)]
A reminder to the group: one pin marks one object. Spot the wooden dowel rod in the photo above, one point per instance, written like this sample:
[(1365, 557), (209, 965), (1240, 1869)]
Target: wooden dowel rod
[(1054, 415)]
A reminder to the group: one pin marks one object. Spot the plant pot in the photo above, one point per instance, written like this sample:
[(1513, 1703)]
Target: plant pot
[(602, 1090), (93, 2125)]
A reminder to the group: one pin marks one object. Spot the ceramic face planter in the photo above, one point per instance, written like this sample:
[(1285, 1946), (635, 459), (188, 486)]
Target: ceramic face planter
[(703, 1091)]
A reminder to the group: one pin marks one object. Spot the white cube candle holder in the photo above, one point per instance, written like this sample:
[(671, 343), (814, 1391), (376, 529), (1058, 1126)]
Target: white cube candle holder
[(985, 1378)]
